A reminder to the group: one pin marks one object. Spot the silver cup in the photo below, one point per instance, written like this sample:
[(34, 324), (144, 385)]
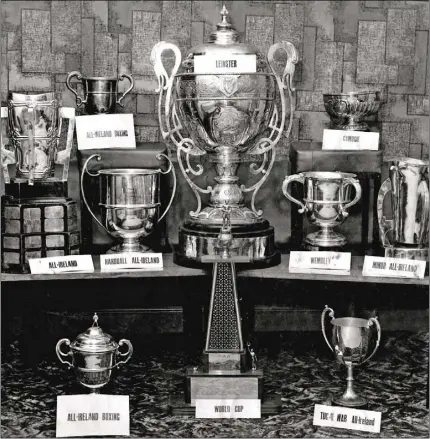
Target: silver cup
[(129, 201), (327, 196), (351, 339)]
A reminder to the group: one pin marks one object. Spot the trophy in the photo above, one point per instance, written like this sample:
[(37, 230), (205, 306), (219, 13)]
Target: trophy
[(38, 218), (351, 339), (406, 235), (129, 202), (347, 110), (93, 356), (100, 93), (327, 197)]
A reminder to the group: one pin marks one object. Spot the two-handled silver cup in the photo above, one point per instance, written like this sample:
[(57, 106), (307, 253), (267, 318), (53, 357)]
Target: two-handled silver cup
[(327, 197), (351, 340), (93, 356), (130, 202), (100, 93)]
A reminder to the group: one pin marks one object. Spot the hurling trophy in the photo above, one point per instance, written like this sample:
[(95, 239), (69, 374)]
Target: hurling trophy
[(223, 104), (351, 340), (406, 235)]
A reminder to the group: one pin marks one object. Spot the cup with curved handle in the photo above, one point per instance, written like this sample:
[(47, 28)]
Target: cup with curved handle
[(289, 179), (127, 354), (61, 354), (121, 78), (79, 100)]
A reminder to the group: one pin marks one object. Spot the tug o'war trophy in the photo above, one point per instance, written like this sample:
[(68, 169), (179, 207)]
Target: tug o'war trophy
[(223, 104)]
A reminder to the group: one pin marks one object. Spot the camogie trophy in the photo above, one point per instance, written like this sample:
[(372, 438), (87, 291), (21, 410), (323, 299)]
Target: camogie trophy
[(406, 235), (327, 196), (351, 339), (223, 104)]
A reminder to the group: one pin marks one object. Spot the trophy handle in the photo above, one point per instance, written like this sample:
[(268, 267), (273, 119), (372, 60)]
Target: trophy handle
[(384, 225), (121, 78), (79, 100), (354, 182), (374, 320), (172, 170), (127, 354), (288, 179), (95, 174), (331, 314), (5, 154), (60, 353)]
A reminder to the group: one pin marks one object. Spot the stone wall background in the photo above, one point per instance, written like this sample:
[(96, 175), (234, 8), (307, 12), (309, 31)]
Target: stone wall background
[(343, 45)]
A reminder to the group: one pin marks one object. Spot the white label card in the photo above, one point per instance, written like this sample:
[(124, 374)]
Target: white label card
[(350, 140), (93, 415), (228, 408), (393, 267), (103, 131), (225, 64), (131, 261), (62, 264), (320, 262), (344, 417)]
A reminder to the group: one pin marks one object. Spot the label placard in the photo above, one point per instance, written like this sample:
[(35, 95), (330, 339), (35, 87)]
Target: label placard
[(62, 264), (320, 262), (131, 261), (344, 417), (393, 267), (225, 64), (228, 408), (93, 415), (350, 140), (103, 131)]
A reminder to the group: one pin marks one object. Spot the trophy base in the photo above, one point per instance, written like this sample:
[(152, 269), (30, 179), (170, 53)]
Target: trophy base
[(254, 243), (49, 188), (325, 238), (239, 215), (128, 248), (358, 401), (419, 254)]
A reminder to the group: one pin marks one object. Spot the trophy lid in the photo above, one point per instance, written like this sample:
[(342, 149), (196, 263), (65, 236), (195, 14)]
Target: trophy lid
[(94, 339)]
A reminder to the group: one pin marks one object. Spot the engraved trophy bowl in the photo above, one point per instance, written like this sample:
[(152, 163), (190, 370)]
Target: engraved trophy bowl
[(351, 341), (35, 127), (94, 354), (100, 93), (407, 233), (327, 197), (129, 202), (347, 110)]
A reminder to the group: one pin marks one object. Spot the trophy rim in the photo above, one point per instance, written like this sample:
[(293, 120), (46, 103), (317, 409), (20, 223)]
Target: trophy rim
[(101, 78), (355, 322), (353, 93), (328, 175), (411, 160), (129, 171)]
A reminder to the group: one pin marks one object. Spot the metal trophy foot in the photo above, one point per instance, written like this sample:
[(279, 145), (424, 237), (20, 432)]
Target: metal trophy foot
[(129, 247), (350, 398), (326, 238)]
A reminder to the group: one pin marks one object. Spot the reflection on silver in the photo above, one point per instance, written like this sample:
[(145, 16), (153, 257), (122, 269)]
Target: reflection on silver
[(351, 340), (130, 201), (327, 199)]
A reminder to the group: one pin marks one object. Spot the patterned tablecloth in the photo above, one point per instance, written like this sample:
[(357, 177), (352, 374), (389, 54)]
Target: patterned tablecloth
[(395, 382)]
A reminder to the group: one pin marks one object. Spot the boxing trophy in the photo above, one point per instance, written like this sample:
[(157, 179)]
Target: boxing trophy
[(223, 104), (38, 219), (406, 235), (351, 340)]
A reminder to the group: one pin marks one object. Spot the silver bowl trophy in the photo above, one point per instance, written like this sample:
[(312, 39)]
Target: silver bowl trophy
[(129, 202), (406, 235), (93, 355), (223, 103), (327, 197), (347, 110), (351, 340), (100, 93)]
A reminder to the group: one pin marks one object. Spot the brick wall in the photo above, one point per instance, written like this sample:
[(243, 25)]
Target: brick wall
[(343, 45)]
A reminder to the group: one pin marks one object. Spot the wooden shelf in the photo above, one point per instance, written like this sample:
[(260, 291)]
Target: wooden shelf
[(172, 270)]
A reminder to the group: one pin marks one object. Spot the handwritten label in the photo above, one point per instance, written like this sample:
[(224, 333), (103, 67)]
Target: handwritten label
[(131, 261), (350, 140), (225, 64), (344, 417), (393, 267), (320, 262), (93, 415), (103, 131), (62, 264), (228, 408)]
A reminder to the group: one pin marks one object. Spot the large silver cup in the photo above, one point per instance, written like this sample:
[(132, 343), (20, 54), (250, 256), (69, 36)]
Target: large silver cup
[(100, 93), (130, 202), (351, 339), (327, 197), (407, 233), (35, 127)]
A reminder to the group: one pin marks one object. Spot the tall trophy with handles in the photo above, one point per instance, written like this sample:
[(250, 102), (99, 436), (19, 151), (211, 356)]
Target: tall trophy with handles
[(225, 100)]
